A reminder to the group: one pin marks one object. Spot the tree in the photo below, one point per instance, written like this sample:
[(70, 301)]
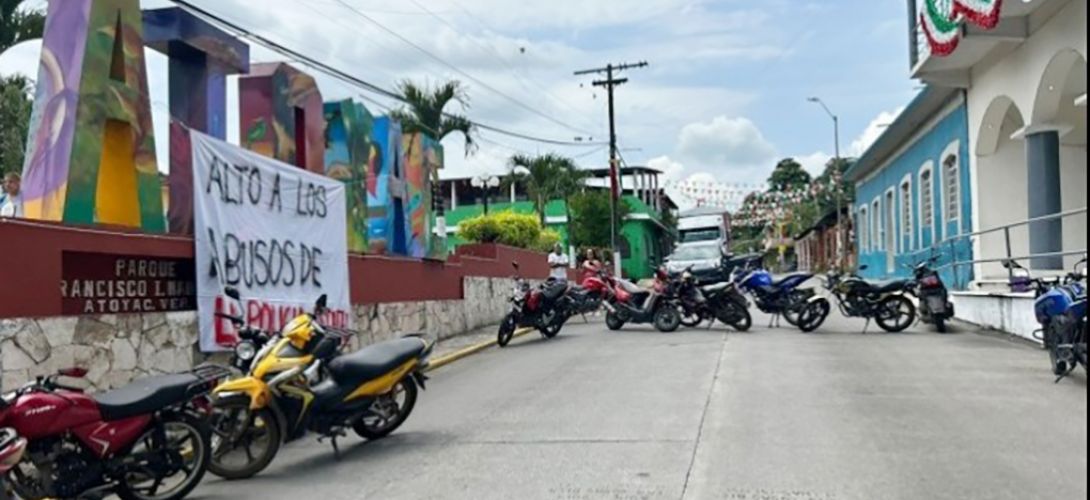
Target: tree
[(789, 176), (18, 24), (591, 226), (15, 109), (542, 177), (425, 111), (570, 182)]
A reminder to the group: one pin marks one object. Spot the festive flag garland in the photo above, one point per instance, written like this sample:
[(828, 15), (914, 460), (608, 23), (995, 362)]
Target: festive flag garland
[(942, 20)]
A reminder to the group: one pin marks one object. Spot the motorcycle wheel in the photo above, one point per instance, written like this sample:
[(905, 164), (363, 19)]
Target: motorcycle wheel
[(507, 330), (941, 326), (667, 319), (896, 314), (261, 425), (614, 321), (554, 325), (189, 442), (397, 405), (745, 322), (814, 315), (691, 319)]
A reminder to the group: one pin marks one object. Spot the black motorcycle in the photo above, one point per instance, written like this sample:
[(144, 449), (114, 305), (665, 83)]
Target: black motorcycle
[(886, 304), (935, 307), (710, 303), (545, 307)]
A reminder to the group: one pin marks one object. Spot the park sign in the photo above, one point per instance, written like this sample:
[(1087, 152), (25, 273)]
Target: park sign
[(273, 231)]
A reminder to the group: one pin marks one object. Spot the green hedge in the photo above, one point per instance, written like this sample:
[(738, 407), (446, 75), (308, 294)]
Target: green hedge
[(509, 228)]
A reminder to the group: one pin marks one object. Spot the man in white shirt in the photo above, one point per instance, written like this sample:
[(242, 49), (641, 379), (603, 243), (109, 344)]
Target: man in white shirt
[(11, 203), (558, 263)]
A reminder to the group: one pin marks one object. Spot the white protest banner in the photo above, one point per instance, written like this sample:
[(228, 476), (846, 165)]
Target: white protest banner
[(273, 231)]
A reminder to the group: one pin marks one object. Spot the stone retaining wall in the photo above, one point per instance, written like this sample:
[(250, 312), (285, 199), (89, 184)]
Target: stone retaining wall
[(119, 348)]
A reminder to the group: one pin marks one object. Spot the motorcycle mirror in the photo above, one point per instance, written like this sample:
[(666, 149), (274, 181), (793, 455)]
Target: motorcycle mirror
[(515, 264), (321, 306), (864, 267), (233, 293), (73, 372)]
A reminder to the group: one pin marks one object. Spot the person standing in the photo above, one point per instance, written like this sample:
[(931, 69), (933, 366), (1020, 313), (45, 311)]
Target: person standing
[(11, 202), (558, 263)]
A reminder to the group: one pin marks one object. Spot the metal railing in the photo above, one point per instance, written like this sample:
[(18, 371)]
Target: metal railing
[(1006, 231)]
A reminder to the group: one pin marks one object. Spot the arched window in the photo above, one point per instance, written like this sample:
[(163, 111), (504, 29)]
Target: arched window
[(927, 197), (906, 213), (864, 229), (876, 225), (952, 187)]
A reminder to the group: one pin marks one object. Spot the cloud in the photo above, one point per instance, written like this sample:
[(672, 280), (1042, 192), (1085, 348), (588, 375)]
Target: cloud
[(815, 163), (725, 143), (874, 130)]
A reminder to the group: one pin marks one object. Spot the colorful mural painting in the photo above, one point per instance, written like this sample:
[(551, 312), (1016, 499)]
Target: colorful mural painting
[(282, 115), (201, 58), (347, 155), (91, 146), (423, 159), (388, 228)]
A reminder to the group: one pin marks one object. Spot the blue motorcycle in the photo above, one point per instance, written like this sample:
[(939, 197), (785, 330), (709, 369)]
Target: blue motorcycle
[(1061, 311), (801, 307)]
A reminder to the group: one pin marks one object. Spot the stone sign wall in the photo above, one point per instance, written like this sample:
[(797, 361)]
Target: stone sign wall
[(119, 348)]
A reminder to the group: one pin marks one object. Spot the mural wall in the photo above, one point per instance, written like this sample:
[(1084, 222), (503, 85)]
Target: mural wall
[(91, 147), (201, 58), (423, 159), (348, 153), (282, 116), (386, 193)]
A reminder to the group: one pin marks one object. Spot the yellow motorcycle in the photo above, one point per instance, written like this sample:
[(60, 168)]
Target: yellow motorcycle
[(298, 383)]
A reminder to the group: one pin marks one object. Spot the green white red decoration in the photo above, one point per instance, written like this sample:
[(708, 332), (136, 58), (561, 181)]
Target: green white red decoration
[(942, 21)]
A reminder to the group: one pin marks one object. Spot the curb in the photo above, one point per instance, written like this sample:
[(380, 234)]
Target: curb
[(455, 356)]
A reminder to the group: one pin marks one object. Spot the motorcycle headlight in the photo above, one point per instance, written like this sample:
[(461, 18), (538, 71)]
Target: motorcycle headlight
[(246, 350)]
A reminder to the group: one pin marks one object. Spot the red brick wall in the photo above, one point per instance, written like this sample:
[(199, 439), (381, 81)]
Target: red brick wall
[(30, 266)]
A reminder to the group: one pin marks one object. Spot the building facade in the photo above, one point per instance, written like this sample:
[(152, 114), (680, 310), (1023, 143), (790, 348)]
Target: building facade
[(913, 195)]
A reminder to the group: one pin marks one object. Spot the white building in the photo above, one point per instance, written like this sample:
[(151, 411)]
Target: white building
[(1022, 67)]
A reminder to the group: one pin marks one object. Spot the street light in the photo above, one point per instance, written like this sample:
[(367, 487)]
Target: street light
[(836, 179), (485, 183)]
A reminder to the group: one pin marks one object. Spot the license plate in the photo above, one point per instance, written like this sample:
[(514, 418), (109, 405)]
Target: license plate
[(937, 305)]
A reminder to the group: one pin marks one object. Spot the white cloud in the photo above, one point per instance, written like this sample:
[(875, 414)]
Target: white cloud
[(730, 144), (874, 130), (814, 162), (672, 170)]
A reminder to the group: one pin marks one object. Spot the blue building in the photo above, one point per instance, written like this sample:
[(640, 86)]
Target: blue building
[(913, 191)]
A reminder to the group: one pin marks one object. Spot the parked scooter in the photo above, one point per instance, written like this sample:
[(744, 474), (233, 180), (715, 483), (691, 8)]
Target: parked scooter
[(718, 301), (148, 440), (886, 304), (935, 307), (1061, 311), (372, 391), (628, 303), (801, 307), (545, 308)]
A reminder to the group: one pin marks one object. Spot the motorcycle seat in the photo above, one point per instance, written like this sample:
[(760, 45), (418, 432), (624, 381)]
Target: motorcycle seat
[(780, 282), (718, 287), (145, 396), (553, 291), (630, 287), (888, 286), (375, 361)]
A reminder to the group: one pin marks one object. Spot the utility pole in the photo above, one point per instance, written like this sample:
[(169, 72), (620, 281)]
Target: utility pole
[(841, 250), (616, 186)]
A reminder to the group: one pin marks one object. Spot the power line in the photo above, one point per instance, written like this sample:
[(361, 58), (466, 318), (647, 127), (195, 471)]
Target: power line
[(348, 78), (454, 68)]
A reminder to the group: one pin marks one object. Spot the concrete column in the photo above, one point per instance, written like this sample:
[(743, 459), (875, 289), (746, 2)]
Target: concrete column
[(1045, 198), (454, 195)]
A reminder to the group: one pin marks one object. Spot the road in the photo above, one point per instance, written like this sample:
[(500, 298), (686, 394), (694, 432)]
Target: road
[(703, 415)]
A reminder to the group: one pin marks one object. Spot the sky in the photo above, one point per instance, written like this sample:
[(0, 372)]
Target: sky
[(723, 100)]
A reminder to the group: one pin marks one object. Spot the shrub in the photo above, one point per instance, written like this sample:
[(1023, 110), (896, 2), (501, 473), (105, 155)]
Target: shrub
[(548, 239), (507, 228)]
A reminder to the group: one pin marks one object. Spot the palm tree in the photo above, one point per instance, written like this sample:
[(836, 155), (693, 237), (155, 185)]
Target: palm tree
[(18, 25), (425, 111), (544, 177), (570, 182)]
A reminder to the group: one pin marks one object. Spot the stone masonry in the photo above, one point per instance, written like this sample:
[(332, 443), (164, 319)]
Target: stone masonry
[(119, 348)]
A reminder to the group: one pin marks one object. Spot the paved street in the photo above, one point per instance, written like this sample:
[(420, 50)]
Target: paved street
[(770, 415)]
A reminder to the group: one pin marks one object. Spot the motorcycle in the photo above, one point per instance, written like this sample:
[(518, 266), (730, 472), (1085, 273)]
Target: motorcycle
[(545, 308), (284, 396), (886, 304), (628, 303), (1060, 308), (719, 301), (148, 440), (935, 307), (800, 307)]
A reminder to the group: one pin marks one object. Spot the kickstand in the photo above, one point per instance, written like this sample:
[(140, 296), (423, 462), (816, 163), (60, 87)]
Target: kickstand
[(585, 320), (333, 440), (711, 323), (866, 328)]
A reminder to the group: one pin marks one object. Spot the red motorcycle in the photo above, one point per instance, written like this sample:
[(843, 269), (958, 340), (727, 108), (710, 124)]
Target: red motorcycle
[(145, 441), (546, 308), (629, 303)]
